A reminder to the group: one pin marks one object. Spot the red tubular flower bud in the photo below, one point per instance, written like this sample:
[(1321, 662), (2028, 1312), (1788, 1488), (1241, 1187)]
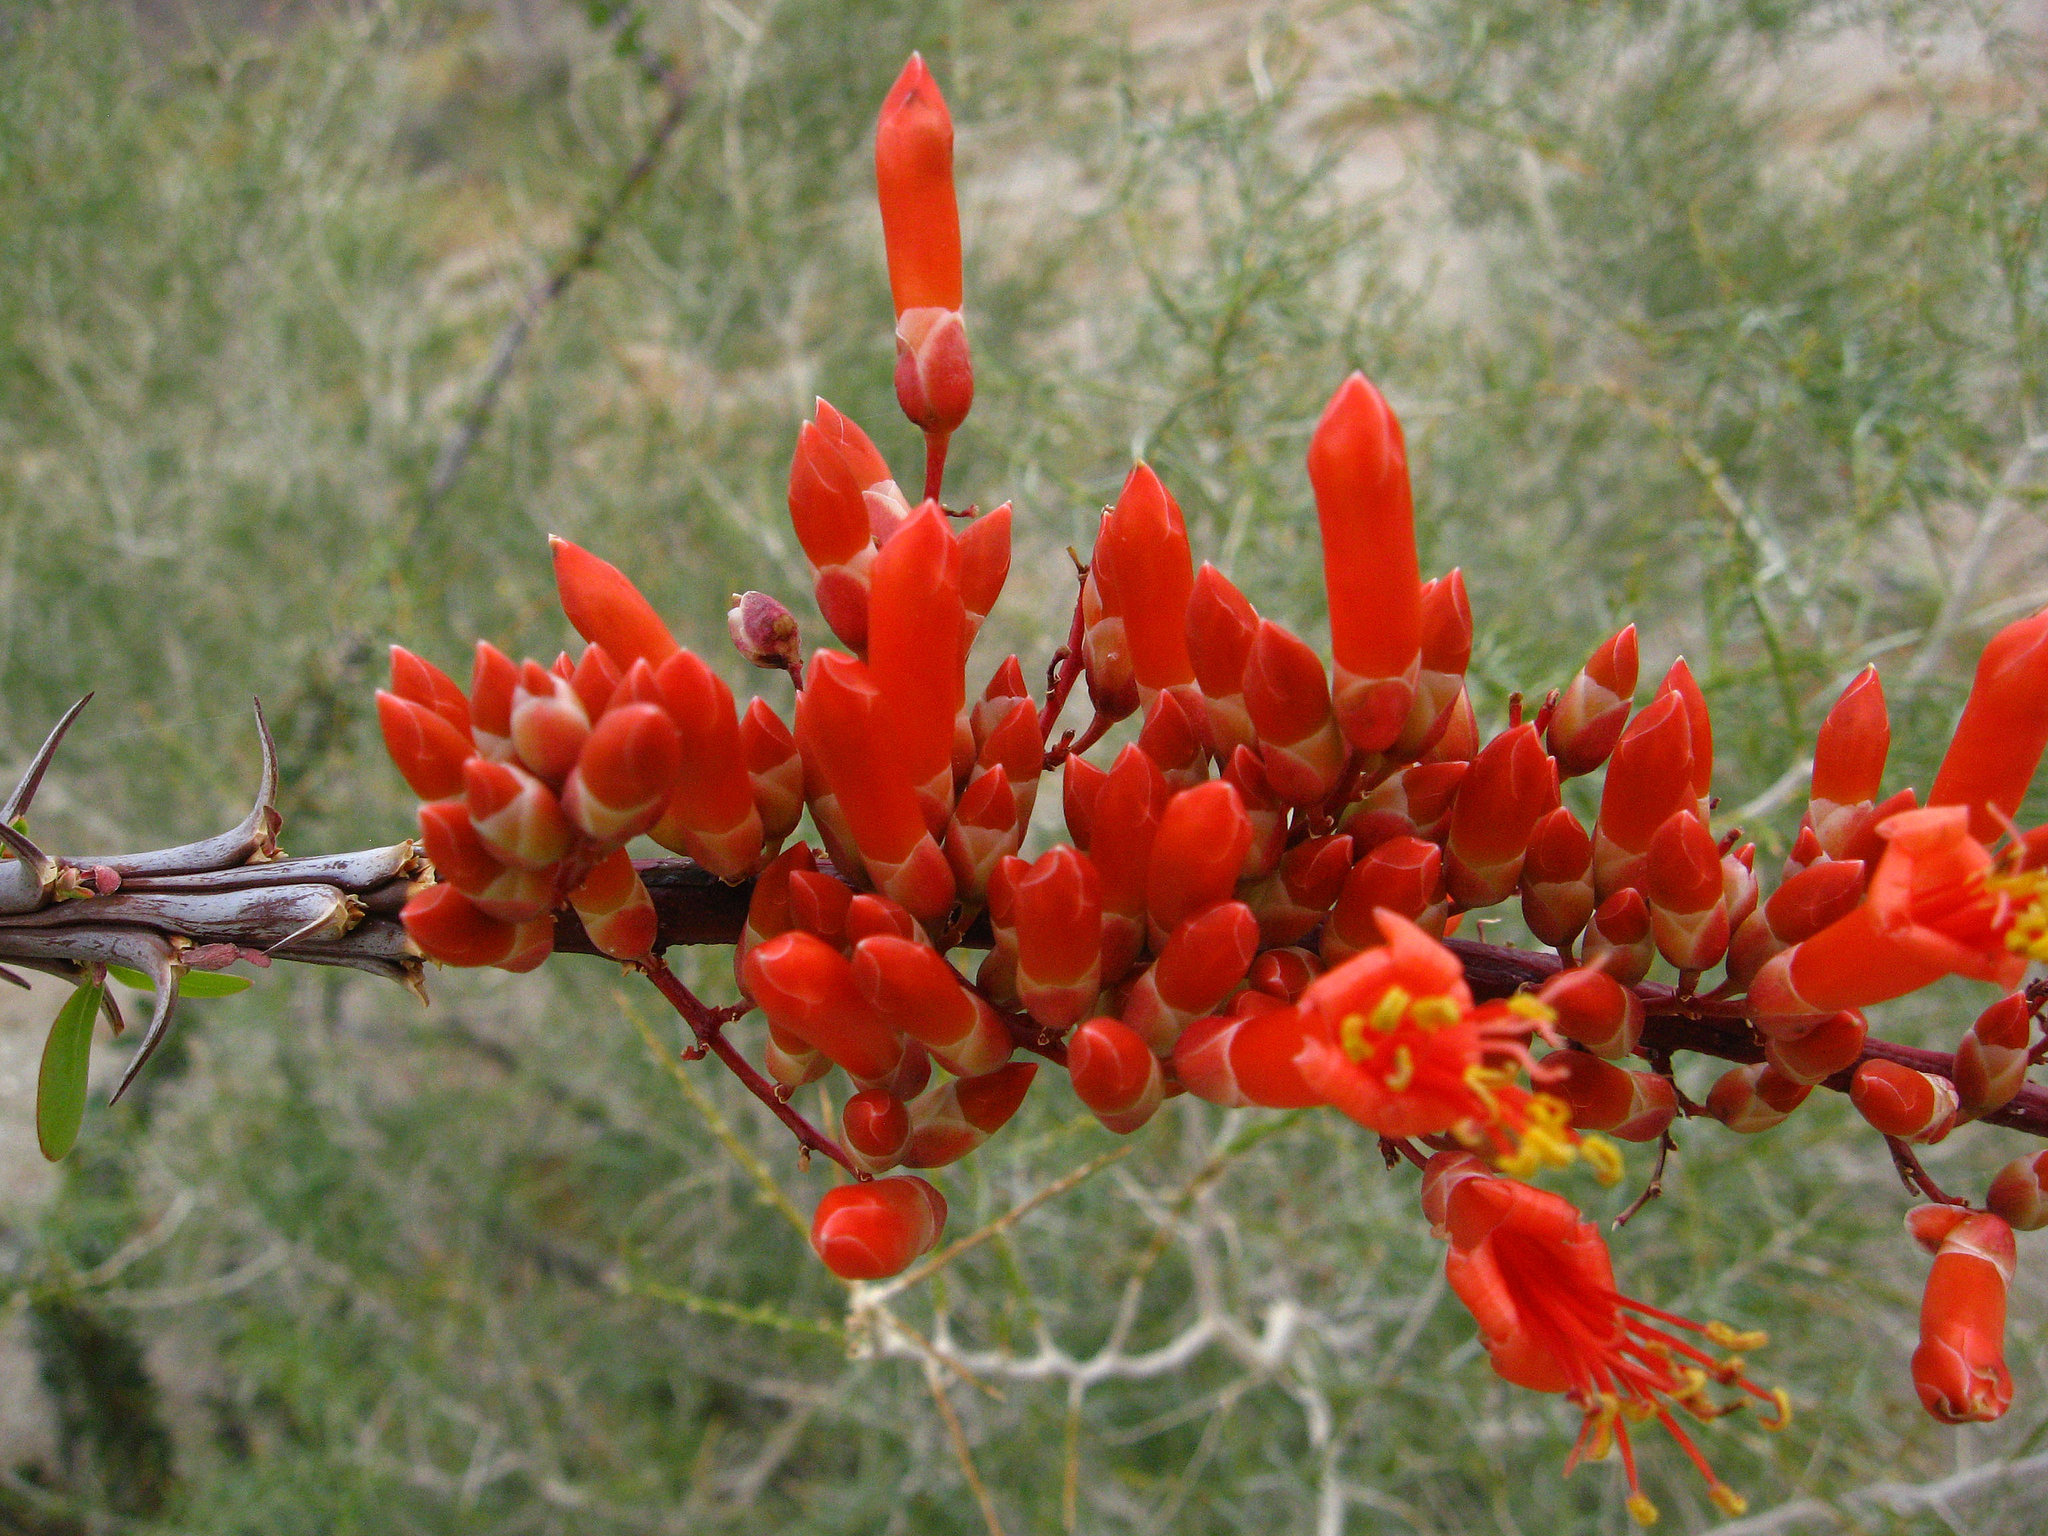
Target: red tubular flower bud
[(425, 747), (1754, 1098), (770, 909), (1015, 746), (1127, 813), (1594, 707), (1959, 1368), (1607, 1098), (2003, 731), (934, 369), (1817, 896), (1619, 939), (1416, 802), (448, 927), (595, 677), (516, 815), (806, 989), (1199, 849), (616, 910), (1849, 752), (1266, 811), (912, 987), (711, 815), (1245, 1059), (1293, 899), (1080, 786), (1912, 1106), (1650, 777), (914, 181), (983, 831), (1557, 878), (1006, 686), (607, 609), (1284, 973), (549, 723), (1510, 787), (1155, 577), (1403, 875), (984, 563), (818, 904), (1288, 699), (825, 503), (1200, 965), (1058, 917), (1220, 627), (491, 684), (1831, 1046), (1171, 740), (916, 651), (1684, 884), (1114, 1074), (775, 771), (1459, 742), (1358, 465), (2019, 1193), (949, 1120), (1679, 680), (863, 459), (1595, 1011), (871, 916), (1991, 1061), (1445, 654), (873, 1230), (460, 858), (624, 775), (876, 1129), (416, 678)]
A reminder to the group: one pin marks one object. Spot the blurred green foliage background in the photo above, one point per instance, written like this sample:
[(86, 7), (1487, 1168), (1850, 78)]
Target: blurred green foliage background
[(1724, 317)]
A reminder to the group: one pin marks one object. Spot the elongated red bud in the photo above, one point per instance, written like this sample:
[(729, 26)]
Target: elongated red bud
[(916, 653), (1058, 916), (1358, 465), (873, 1230), (1080, 784), (606, 609), (1912, 1106), (491, 684), (1015, 746), (1294, 898), (1201, 964), (426, 749), (863, 459), (1200, 846), (1594, 707), (460, 858), (914, 182), (1635, 1106), (1221, 625), (1288, 699), (450, 929), (1619, 939), (710, 816), (984, 830), (616, 910), (1459, 742), (1557, 878), (1679, 680), (1155, 574), (1105, 640), (1650, 777), (1754, 1098), (984, 563), (595, 677), (1127, 812), (770, 910), (1171, 739), (416, 678), (912, 987), (1246, 1058), (1509, 788), (1416, 802), (818, 904), (775, 771), (1959, 1368), (1595, 1011), (2004, 728), (2019, 1193), (1446, 653), (1849, 752), (825, 504), (876, 1128), (872, 916), (1684, 886), (624, 774), (549, 723), (806, 988), (1831, 1046), (951, 1119), (1114, 1074), (1991, 1061), (516, 815), (1402, 875)]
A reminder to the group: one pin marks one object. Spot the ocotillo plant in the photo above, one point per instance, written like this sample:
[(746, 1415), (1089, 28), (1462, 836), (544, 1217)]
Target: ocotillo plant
[(1255, 902)]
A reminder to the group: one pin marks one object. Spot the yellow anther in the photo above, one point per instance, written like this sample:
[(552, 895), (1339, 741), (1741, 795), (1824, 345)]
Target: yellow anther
[(1643, 1511), (1403, 1072), (1351, 1036), (1529, 1006), (2028, 892), (1784, 1415), (1437, 1012), (1730, 1338), (1727, 1500), (1388, 1012), (1548, 1111), (1605, 1411), (1637, 1412), (1730, 1370), (1603, 1157)]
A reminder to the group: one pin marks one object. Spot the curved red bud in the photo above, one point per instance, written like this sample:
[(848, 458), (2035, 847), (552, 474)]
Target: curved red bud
[(1288, 698), (416, 678), (1849, 752), (1679, 680), (1196, 855), (1115, 1074), (826, 507), (616, 910), (1594, 707), (873, 1230), (606, 609), (427, 750), (1959, 1368), (1912, 1106), (2003, 731), (984, 561), (806, 988)]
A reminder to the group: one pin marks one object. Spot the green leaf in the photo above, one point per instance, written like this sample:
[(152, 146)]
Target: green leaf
[(191, 984), (60, 1087)]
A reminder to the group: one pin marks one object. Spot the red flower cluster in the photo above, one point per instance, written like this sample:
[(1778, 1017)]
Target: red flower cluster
[(1253, 897)]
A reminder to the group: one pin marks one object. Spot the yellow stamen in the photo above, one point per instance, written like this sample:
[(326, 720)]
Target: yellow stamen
[(1351, 1036), (1603, 1157), (1605, 1411), (2028, 892), (1403, 1072), (1529, 1006), (1784, 1415), (1643, 1511), (1437, 1012), (1727, 1500), (1729, 1338), (1388, 1011)]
